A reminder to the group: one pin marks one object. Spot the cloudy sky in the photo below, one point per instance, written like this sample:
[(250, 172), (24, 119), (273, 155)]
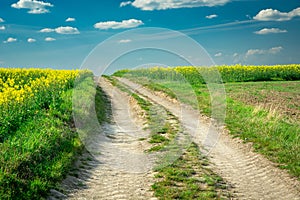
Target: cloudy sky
[(60, 34)]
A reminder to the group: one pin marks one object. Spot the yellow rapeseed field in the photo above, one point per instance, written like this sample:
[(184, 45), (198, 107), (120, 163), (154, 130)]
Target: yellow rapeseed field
[(19, 85), (24, 92), (235, 73)]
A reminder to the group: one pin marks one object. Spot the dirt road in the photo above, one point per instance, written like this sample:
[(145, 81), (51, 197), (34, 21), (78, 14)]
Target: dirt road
[(121, 169), (252, 176)]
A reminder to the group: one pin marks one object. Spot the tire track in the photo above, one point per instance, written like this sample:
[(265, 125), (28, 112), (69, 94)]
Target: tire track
[(118, 167), (252, 175)]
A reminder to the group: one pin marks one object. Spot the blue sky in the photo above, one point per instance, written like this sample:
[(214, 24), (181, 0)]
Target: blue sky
[(61, 33)]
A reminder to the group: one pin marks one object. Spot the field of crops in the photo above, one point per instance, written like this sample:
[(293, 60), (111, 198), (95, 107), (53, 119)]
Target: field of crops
[(262, 102), (25, 92), (37, 141), (225, 74)]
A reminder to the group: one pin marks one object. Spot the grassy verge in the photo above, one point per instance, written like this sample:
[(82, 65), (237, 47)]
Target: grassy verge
[(38, 155), (265, 113), (102, 106), (271, 136)]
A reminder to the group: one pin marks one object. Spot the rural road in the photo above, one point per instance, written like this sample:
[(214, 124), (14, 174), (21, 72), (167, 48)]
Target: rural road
[(252, 176), (122, 169)]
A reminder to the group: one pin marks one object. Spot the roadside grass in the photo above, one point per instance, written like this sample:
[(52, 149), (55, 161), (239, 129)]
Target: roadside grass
[(188, 176), (271, 136), (267, 114), (117, 84), (37, 156), (97, 99), (256, 115), (41, 152), (102, 106), (158, 87)]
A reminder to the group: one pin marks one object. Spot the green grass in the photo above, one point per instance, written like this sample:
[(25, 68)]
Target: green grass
[(189, 178), (144, 104), (39, 153), (118, 84), (162, 131), (158, 87), (102, 106)]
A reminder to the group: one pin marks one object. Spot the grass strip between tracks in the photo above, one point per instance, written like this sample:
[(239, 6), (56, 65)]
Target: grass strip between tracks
[(189, 176)]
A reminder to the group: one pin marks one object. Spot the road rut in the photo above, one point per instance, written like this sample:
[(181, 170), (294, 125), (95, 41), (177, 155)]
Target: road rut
[(252, 175), (118, 167)]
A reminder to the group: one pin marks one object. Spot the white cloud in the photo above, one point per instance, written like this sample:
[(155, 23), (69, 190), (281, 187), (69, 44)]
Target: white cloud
[(266, 31), (70, 19), (235, 55), (251, 52), (275, 15), (10, 39), (47, 30), (2, 28), (49, 39), (1, 20), (211, 16), (31, 40), (125, 3), (67, 30), (125, 41), (273, 50), (131, 23), (61, 30), (218, 54), (34, 6), (171, 4)]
